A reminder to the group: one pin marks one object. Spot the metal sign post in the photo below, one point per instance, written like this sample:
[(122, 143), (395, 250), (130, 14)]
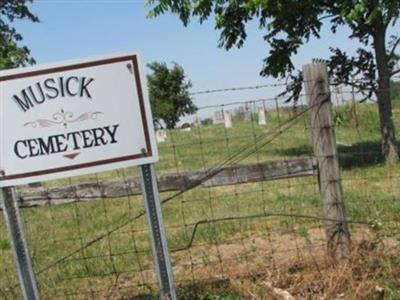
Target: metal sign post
[(20, 248), (157, 232)]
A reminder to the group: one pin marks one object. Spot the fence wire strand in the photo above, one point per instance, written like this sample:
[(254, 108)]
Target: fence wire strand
[(243, 201)]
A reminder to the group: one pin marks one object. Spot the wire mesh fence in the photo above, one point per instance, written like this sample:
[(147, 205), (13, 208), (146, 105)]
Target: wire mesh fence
[(88, 236)]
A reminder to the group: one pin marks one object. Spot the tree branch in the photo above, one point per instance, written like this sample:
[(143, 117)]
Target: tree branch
[(360, 87), (325, 17), (396, 43), (395, 72)]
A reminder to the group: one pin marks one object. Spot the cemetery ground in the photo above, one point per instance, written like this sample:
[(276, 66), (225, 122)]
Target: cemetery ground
[(264, 257)]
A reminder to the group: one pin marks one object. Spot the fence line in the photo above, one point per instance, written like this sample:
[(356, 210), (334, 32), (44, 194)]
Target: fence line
[(241, 154), (220, 224)]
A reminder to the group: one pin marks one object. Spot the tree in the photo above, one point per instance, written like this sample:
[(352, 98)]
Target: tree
[(169, 94), (289, 24), (395, 90), (11, 53)]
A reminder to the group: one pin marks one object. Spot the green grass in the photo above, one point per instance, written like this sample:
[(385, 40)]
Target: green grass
[(371, 193)]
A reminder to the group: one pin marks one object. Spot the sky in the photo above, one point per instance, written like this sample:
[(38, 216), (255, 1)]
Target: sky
[(83, 28)]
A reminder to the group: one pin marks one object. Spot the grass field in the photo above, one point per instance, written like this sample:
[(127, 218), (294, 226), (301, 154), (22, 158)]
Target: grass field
[(288, 250)]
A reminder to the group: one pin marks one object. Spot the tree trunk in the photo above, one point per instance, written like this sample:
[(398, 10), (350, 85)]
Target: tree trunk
[(389, 144)]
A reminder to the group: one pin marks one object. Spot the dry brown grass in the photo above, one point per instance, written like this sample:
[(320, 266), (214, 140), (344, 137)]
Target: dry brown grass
[(315, 277), (251, 270)]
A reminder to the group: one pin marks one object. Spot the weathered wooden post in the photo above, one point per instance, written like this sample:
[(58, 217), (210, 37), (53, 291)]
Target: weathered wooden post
[(325, 150)]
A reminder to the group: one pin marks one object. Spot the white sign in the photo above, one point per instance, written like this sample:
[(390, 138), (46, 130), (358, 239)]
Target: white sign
[(74, 118)]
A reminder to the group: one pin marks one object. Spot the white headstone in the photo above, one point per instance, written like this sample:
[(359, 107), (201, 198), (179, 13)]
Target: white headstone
[(227, 119), (247, 113), (218, 117), (161, 135), (196, 120), (261, 116)]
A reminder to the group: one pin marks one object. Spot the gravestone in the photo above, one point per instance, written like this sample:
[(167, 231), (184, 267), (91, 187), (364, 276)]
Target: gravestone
[(262, 120), (196, 121), (227, 119), (161, 135), (218, 117), (247, 113)]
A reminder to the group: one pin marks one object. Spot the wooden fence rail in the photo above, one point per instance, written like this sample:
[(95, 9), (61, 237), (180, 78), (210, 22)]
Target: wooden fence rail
[(114, 188)]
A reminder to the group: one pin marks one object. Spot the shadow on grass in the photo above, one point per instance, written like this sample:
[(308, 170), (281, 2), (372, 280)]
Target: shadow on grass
[(361, 154), (201, 290), (208, 289)]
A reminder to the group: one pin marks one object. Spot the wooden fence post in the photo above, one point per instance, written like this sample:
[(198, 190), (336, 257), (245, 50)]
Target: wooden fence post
[(324, 144)]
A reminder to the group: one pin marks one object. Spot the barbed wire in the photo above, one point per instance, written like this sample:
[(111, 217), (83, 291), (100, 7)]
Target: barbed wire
[(238, 88)]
